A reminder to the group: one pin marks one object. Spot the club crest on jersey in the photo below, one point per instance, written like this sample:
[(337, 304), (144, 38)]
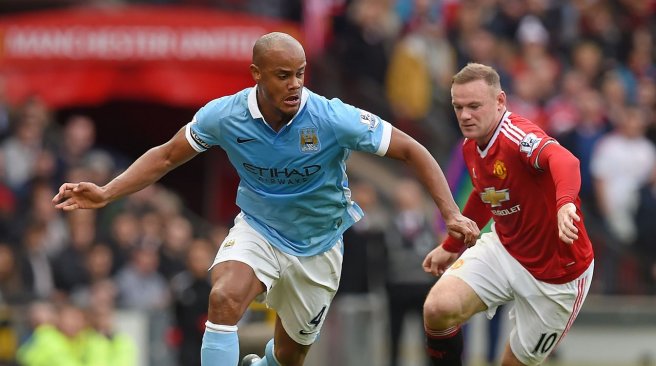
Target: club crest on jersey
[(227, 244), (457, 264), (494, 197), (369, 119), (309, 140), (529, 143), (499, 170)]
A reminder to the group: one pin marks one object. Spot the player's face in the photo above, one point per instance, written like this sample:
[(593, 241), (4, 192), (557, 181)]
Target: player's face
[(280, 82), (478, 108)]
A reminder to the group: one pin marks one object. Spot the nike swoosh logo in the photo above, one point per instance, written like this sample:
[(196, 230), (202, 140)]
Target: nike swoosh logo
[(302, 332), (241, 140)]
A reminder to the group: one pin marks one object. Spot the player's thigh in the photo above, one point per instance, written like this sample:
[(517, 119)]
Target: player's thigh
[(245, 266), (542, 315), (476, 282), (236, 281), (304, 292), (451, 302)]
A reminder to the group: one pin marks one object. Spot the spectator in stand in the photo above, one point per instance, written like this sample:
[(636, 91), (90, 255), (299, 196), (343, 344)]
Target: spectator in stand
[(647, 102), (22, 149), (417, 81), (535, 59), (361, 254), (40, 210), (591, 126), (645, 218), (8, 206), (60, 345), (140, 286), (561, 110), (191, 289), (525, 99), (587, 59), (614, 93), (178, 236), (78, 140), (409, 237), (36, 267), (38, 313), (362, 41), (12, 290), (69, 265), (621, 163), (125, 235), (104, 345), (98, 263)]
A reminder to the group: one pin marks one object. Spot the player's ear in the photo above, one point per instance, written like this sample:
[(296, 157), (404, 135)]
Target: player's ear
[(255, 72), (501, 101)]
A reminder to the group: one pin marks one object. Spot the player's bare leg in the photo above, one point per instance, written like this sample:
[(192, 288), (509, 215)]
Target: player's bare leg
[(509, 358), (234, 287), (287, 351), (449, 304), (280, 351)]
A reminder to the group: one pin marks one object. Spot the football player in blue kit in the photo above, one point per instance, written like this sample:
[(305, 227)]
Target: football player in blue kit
[(289, 147)]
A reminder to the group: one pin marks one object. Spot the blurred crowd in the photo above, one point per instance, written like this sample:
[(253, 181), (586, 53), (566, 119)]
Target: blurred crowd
[(584, 71)]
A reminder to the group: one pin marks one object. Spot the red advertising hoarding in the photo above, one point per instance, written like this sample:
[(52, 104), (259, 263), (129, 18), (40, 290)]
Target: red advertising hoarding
[(172, 55)]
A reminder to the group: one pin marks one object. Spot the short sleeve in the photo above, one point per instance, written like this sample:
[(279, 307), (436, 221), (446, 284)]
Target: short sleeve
[(357, 129), (203, 131)]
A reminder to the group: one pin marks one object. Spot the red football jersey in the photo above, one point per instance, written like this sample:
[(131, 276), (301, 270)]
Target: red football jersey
[(512, 189)]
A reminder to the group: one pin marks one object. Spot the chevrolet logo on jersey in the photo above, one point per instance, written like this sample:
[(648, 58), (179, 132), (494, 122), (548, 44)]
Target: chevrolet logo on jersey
[(494, 197)]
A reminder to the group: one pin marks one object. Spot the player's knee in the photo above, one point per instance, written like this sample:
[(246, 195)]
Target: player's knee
[(442, 312), (225, 304)]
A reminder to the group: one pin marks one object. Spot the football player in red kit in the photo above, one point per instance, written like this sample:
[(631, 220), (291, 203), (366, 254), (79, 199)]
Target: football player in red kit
[(538, 256)]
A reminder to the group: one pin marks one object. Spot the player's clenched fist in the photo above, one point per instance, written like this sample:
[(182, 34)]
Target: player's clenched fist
[(463, 229)]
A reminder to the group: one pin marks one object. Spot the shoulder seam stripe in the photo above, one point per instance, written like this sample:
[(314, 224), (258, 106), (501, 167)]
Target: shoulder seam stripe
[(511, 138), (512, 132), (519, 130)]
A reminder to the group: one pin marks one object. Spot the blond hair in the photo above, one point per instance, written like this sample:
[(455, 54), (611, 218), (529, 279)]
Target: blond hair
[(474, 71)]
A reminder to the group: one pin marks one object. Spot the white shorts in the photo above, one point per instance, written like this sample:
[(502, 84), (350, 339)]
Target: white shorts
[(541, 314), (299, 289)]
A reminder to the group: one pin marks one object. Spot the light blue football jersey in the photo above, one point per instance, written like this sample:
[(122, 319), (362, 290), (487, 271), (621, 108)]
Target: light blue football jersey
[(293, 186)]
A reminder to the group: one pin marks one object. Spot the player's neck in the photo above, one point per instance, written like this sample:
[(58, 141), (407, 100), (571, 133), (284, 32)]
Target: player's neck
[(483, 142), (274, 118), (271, 115)]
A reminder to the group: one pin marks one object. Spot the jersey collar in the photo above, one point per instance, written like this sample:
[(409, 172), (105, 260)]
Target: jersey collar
[(255, 110), (483, 153)]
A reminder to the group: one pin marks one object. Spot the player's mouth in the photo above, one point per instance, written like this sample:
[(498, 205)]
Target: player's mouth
[(292, 101)]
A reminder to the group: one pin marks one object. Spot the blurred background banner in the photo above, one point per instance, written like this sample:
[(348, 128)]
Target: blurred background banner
[(174, 55)]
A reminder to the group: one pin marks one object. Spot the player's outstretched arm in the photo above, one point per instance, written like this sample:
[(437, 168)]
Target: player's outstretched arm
[(405, 148), (146, 170)]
